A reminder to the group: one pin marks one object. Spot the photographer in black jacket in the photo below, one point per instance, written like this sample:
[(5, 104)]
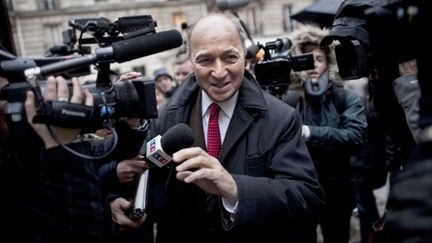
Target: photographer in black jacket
[(57, 196), (384, 39)]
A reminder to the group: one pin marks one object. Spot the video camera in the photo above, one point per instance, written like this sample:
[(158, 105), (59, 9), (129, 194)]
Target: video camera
[(103, 31), (273, 73), (371, 35), (126, 39), (376, 38), (391, 34)]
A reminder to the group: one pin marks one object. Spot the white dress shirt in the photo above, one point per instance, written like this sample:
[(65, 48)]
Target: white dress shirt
[(225, 114)]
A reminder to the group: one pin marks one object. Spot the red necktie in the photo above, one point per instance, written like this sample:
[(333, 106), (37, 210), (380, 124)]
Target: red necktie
[(213, 134)]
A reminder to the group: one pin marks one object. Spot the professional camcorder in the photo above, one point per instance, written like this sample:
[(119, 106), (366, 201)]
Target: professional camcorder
[(390, 34), (377, 39), (131, 98), (103, 32), (274, 71), (372, 34), (124, 40)]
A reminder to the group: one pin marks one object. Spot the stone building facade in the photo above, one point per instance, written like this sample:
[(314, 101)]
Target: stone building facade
[(38, 24)]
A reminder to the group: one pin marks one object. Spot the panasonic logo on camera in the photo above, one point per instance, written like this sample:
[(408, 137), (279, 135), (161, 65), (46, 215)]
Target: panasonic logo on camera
[(72, 113)]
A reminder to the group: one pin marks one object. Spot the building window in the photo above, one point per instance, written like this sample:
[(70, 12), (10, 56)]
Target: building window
[(48, 4), (53, 34), (251, 20), (179, 20), (140, 69), (287, 24)]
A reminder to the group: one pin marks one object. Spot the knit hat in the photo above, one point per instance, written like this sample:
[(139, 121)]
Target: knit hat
[(161, 72)]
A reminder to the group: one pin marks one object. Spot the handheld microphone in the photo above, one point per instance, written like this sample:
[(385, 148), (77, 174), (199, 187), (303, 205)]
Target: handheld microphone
[(140, 200), (146, 45), (120, 51), (231, 4), (159, 151)]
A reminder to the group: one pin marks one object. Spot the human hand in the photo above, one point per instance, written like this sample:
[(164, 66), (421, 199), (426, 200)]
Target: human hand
[(103, 132), (56, 88), (119, 208), (408, 67), (129, 76), (131, 121), (129, 168), (305, 132), (197, 166)]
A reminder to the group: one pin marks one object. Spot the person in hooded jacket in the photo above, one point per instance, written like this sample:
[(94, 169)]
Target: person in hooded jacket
[(334, 128)]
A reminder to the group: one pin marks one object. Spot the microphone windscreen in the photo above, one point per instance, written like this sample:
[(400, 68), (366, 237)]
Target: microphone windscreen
[(176, 138), (145, 45), (251, 51)]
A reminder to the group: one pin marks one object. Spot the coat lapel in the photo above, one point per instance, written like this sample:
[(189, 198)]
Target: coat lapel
[(196, 124), (240, 122)]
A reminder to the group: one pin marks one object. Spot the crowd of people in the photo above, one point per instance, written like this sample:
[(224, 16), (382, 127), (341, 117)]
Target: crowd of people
[(262, 168)]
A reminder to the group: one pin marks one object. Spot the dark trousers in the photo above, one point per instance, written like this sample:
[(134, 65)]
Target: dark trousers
[(336, 221), (367, 210)]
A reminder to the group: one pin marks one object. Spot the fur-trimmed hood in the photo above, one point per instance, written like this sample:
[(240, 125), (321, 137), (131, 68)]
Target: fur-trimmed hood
[(312, 34)]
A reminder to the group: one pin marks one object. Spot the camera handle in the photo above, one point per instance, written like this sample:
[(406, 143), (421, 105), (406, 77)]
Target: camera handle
[(50, 113), (103, 76), (73, 116)]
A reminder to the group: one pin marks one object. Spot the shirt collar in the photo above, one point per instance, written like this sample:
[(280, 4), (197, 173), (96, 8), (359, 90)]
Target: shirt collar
[(226, 106)]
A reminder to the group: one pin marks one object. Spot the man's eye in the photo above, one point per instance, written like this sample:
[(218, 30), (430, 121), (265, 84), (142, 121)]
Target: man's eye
[(232, 58), (203, 60)]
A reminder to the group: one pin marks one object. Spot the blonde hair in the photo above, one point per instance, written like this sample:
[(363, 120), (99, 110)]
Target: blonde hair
[(311, 35)]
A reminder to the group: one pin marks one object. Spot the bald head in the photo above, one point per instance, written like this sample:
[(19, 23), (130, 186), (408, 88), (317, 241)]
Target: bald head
[(210, 23)]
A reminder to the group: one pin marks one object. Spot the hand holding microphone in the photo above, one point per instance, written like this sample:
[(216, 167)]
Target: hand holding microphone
[(159, 151), (127, 169), (198, 167), (195, 164)]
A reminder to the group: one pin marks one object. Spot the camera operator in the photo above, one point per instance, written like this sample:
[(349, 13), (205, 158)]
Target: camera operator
[(334, 127), (60, 197), (393, 36), (62, 200)]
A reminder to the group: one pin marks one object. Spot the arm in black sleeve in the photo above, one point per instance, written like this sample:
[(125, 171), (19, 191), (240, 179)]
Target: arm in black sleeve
[(71, 187), (129, 142)]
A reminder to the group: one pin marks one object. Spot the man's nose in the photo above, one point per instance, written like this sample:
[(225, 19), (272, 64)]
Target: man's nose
[(219, 69)]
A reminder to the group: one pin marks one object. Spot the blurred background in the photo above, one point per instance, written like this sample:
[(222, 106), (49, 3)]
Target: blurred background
[(36, 25)]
